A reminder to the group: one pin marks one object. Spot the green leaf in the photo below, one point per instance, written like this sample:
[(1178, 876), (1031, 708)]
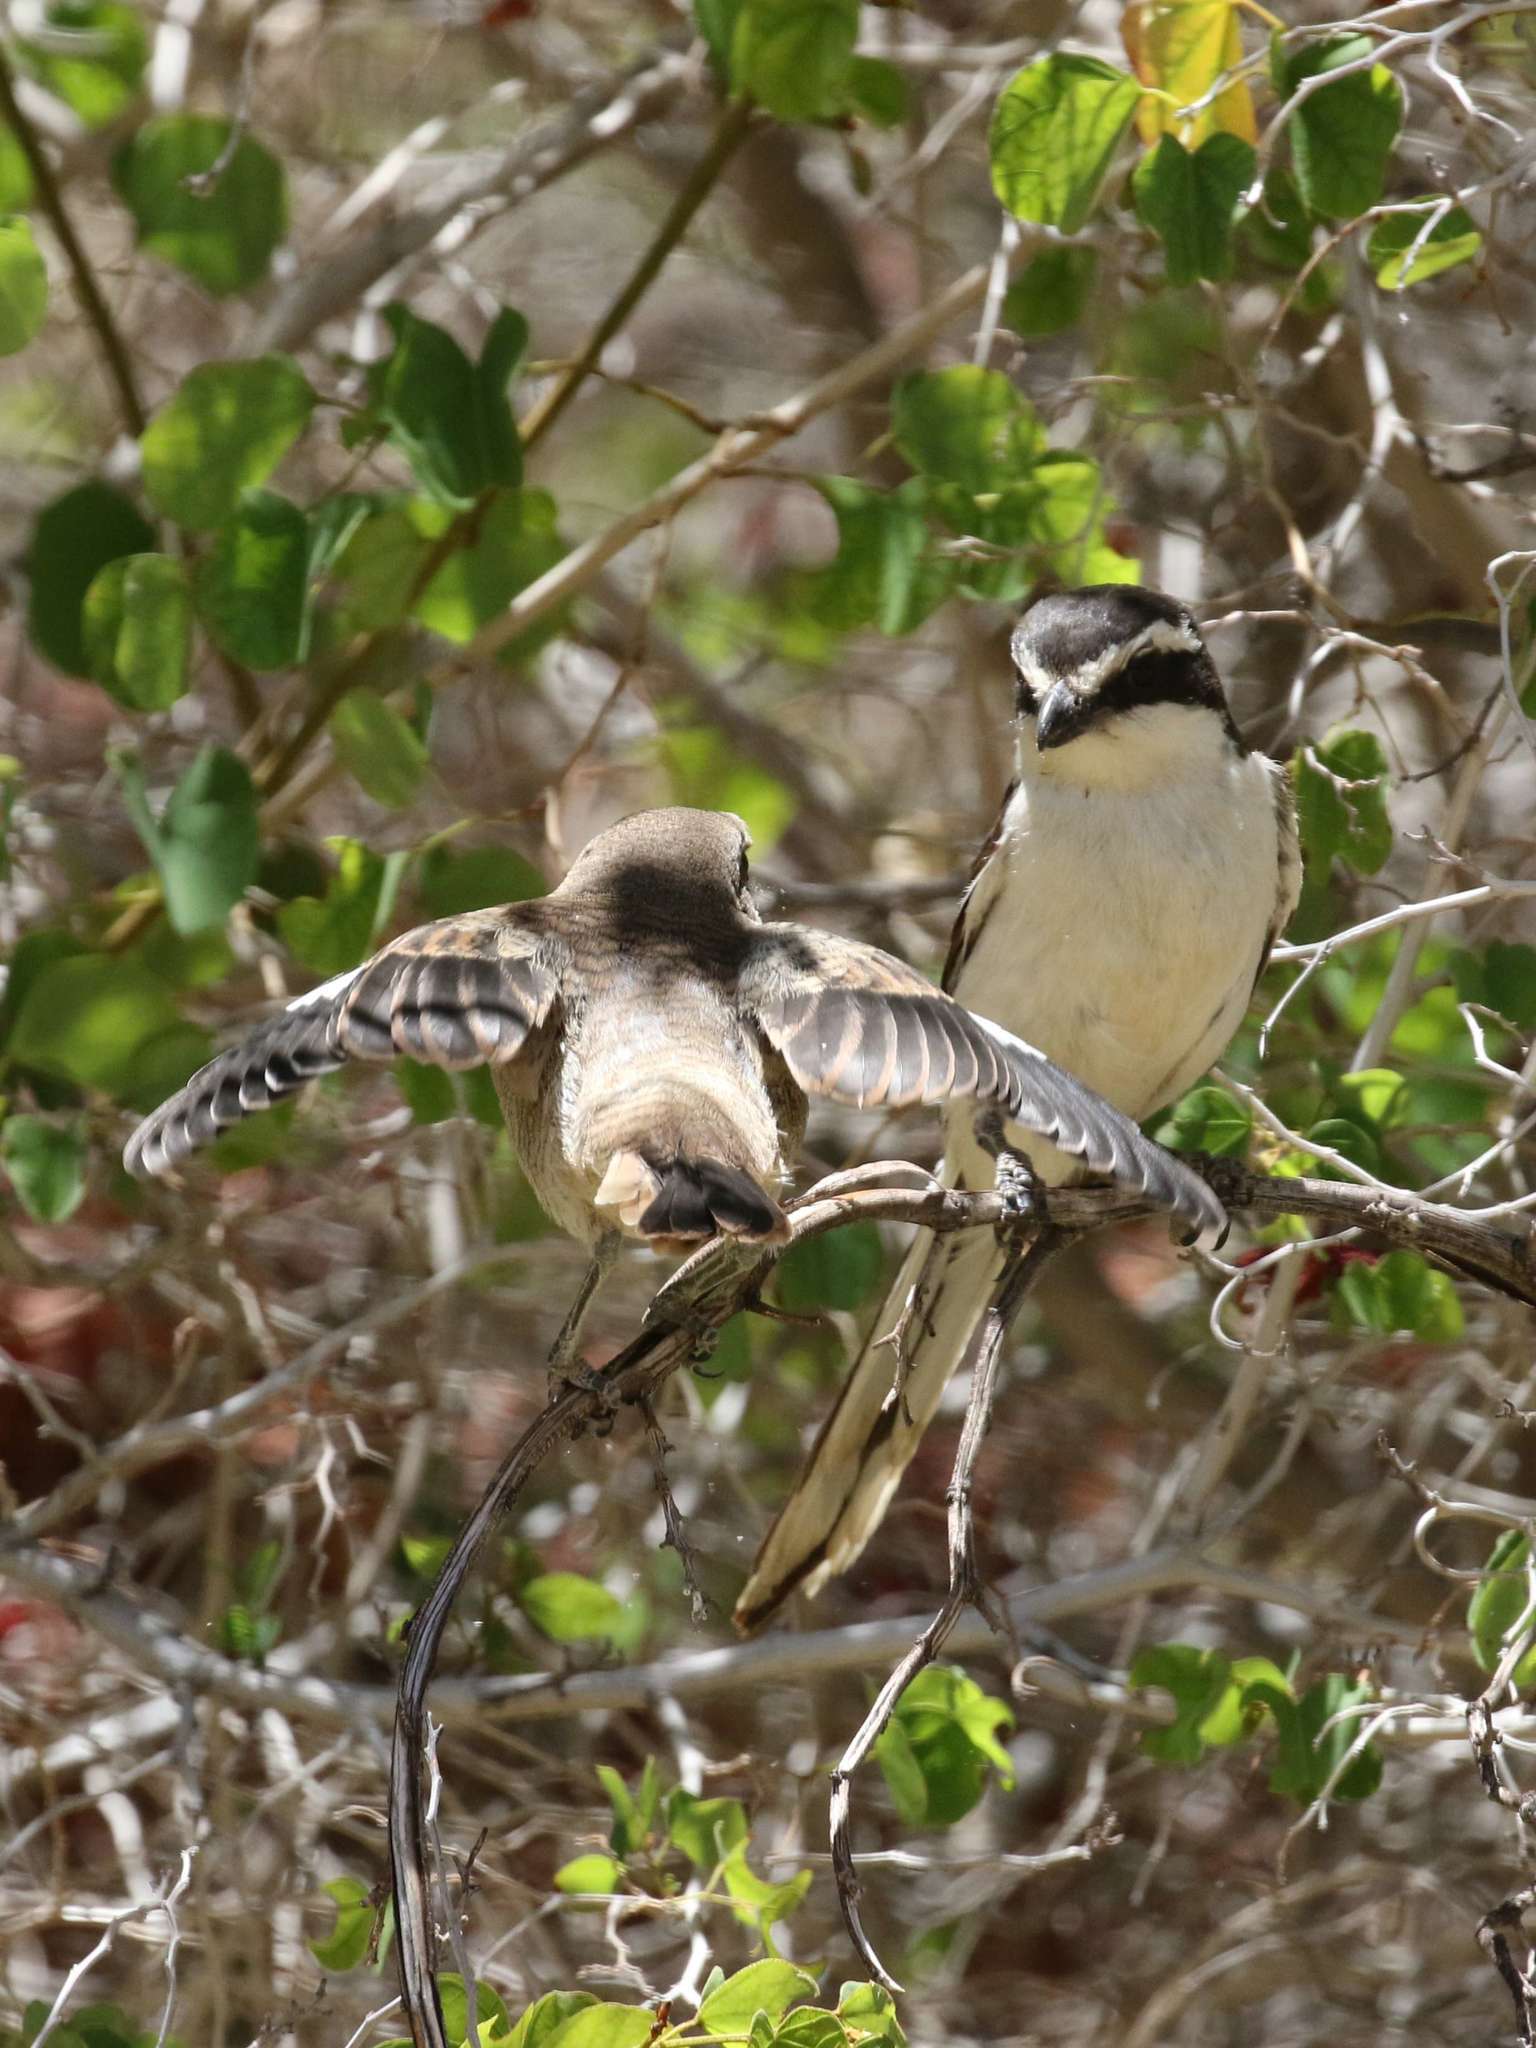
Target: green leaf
[(544, 2018), (966, 426), (592, 1873), (97, 81), (632, 1813), (46, 1165), (886, 572), (1054, 135), (96, 1020), (839, 1269), (224, 236), (570, 1608), (872, 2010), (950, 1726), (1052, 292), (1341, 801), (1190, 202), (1499, 1605), (1278, 231), (516, 540), (903, 1774), (450, 418), (1307, 1757), (15, 175), (335, 931), (1352, 1139), (1208, 1120), (795, 55), (1509, 982), (1216, 1702), (387, 756), (810, 2028), (878, 91), (1400, 258), (347, 1943), (23, 286), (252, 589), (716, 22), (210, 841), (706, 1830), (488, 2006), (137, 621), (450, 882), (759, 1903), (1401, 1292), (74, 537), (226, 430), (1342, 136), (770, 1986), (604, 2026)]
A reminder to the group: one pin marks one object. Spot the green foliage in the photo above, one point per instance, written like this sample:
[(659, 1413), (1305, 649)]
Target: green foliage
[(98, 78), (1052, 292), (708, 772), (569, 1608), (45, 1162), (246, 1629), (1502, 978), (88, 2026), (335, 931), (224, 432), (347, 1943), (1504, 1606), (795, 56), (214, 210), (839, 1269), (1400, 1292), (965, 426), (1211, 1695), (1208, 1120), (1190, 198), (1341, 134), (450, 418), (252, 588), (1406, 248), (137, 626), (1220, 1703), (770, 1987), (387, 756), (1341, 801), (206, 844), (940, 1743), (1055, 131), (108, 1023), (15, 175), (885, 574), (23, 286), (594, 1872), (74, 537), (450, 881)]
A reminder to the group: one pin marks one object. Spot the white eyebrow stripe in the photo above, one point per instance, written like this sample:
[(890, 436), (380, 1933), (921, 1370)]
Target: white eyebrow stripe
[(1163, 636)]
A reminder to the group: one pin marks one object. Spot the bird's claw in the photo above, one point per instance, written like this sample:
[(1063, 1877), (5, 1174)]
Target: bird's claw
[(1022, 1192)]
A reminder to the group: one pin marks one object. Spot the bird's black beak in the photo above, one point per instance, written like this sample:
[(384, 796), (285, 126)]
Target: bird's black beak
[(1063, 715)]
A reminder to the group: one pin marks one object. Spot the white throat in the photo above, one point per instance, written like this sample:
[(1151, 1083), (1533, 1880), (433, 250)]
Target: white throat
[(1147, 747)]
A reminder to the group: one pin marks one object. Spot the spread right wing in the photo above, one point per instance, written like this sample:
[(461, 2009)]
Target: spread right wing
[(465, 992)]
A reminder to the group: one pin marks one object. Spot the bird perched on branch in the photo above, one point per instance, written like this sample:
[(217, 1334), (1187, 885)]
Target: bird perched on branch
[(653, 1044), (1118, 917)]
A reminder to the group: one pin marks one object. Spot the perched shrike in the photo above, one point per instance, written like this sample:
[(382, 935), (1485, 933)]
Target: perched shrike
[(1142, 865), (653, 1044)]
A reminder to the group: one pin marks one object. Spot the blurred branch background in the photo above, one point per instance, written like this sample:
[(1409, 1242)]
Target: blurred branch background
[(327, 647)]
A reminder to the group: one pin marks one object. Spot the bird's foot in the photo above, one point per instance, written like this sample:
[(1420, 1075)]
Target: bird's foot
[(569, 1373), (1021, 1189)]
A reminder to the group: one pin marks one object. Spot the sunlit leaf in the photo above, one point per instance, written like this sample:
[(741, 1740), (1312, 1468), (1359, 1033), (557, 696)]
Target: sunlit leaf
[(23, 286), (569, 1608), (591, 1873), (1190, 198), (1499, 1606), (1341, 134), (97, 78), (770, 1986), (1407, 248), (206, 844), (1181, 48), (226, 429), (347, 1943), (1054, 135), (966, 426), (794, 55), (137, 620), (252, 588)]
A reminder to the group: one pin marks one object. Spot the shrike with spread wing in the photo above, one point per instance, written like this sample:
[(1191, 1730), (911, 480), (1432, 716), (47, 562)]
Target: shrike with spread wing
[(653, 1044), (1119, 915)]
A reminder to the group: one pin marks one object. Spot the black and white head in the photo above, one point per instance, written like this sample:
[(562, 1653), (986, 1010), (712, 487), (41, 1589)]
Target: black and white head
[(1115, 686)]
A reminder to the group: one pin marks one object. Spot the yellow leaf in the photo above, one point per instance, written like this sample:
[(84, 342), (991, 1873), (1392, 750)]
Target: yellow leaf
[(1181, 47)]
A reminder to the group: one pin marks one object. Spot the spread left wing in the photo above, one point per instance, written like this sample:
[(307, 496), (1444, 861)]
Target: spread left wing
[(862, 1027), (460, 993)]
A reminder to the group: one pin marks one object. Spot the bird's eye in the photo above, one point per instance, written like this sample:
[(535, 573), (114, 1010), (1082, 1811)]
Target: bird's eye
[(741, 874)]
